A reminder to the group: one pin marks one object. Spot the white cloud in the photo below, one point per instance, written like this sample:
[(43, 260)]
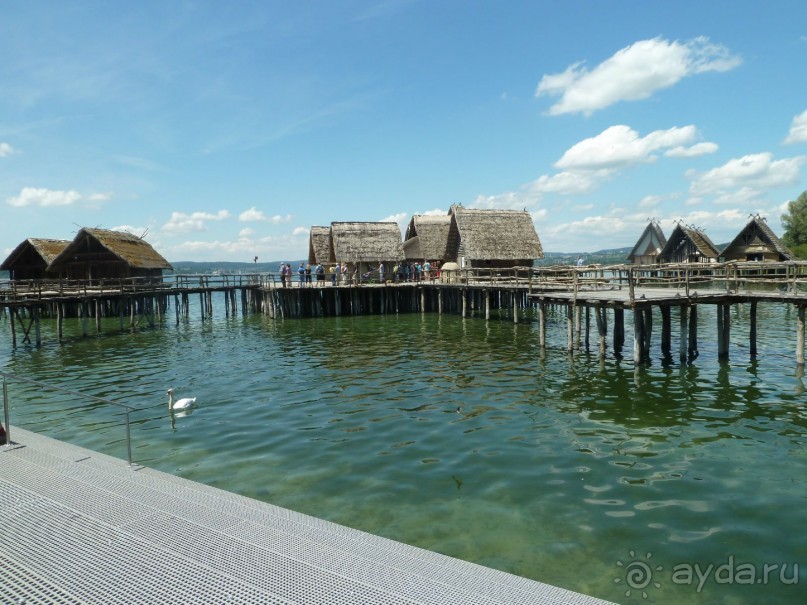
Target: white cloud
[(33, 196), (6, 150), (620, 145), (798, 129), (247, 232), (186, 223), (691, 152), (650, 201), (138, 231), (301, 231), (279, 220), (751, 176), (252, 215), (633, 73)]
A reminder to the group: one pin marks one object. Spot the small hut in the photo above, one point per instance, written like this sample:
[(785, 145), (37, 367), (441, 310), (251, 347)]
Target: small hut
[(492, 238), (319, 245), (31, 259), (105, 254), (365, 245), (427, 238), (649, 246), (757, 242), (688, 244)]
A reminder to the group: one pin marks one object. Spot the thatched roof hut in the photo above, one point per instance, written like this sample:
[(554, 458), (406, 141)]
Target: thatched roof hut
[(757, 242), (688, 245), (492, 238), (649, 246), (31, 259), (319, 245), (366, 244), (427, 238), (101, 253)]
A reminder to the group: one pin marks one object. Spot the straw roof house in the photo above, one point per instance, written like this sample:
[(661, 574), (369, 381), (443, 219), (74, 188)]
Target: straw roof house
[(101, 253), (649, 245), (757, 242), (492, 238), (688, 244), (30, 260), (427, 238), (366, 244), (319, 245)]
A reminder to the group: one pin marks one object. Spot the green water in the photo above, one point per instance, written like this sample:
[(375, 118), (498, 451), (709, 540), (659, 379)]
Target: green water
[(459, 436)]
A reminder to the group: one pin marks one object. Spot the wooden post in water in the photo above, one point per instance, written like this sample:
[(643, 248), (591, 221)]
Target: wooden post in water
[(638, 336), (723, 330), (752, 332), (647, 332), (59, 321), (684, 336), (84, 312), (97, 316), (800, 335), (38, 328), (486, 294), (515, 306), (11, 316), (602, 327), (666, 329), (693, 332), (569, 328), (542, 324), (619, 329)]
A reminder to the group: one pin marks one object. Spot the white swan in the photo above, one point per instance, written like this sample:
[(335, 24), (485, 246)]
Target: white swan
[(179, 404)]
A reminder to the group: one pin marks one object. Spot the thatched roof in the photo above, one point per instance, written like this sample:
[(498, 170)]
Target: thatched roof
[(319, 245), (688, 238), (134, 251), (427, 237), (650, 243), (46, 249), (757, 237), (356, 242), (507, 235)]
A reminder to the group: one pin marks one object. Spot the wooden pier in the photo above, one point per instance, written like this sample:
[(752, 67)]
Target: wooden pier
[(587, 295)]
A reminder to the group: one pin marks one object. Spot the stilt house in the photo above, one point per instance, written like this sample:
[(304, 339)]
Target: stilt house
[(688, 245), (649, 246), (366, 244), (492, 238), (31, 259), (105, 254), (757, 242), (319, 245), (427, 238)]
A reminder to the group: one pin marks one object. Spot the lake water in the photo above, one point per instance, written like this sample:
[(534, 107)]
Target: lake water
[(460, 436)]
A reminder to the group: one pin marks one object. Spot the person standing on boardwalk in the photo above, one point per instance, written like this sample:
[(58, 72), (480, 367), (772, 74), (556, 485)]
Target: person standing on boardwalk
[(320, 271), (308, 275), (426, 270), (344, 272), (283, 274), (301, 274), (382, 271), (333, 271)]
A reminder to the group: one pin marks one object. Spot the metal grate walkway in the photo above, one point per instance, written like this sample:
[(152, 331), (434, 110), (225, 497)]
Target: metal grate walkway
[(77, 526)]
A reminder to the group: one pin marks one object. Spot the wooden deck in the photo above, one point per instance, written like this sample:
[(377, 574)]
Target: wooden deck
[(77, 526)]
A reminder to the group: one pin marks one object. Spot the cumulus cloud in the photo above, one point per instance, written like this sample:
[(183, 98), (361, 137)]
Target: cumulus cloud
[(633, 73), (749, 176), (34, 196), (798, 129), (691, 152), (181, 222), (619, 146), (5, 150), (247, 232), (253, 214)]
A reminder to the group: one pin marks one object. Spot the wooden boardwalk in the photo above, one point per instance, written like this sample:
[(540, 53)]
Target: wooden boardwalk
[(77, 526)]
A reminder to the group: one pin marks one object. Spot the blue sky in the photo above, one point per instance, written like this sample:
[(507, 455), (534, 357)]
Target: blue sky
[(225, 130)]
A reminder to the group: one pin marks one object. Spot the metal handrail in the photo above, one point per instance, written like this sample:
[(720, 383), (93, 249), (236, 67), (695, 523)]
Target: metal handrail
[(8, 376)]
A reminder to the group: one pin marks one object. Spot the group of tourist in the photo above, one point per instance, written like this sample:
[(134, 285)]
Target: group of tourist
[(339, 273)]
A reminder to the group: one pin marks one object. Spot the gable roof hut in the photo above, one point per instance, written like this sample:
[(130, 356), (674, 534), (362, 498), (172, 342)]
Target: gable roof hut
[(427, 237), (31, 259), (366, 244), (688, 245), (102, 254), (492, 238), (319, 245), (649, 245), (757, 242)]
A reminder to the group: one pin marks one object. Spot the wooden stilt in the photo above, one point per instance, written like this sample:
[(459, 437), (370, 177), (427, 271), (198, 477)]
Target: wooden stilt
[(693, 332), (515, 307), (542, 324), (487, 304), (638, 336), (666, 329), (800, 335), (647, 332), (569, 328), (752, 332), (38, 327), (684, 336), (619, 330), (59, 321)]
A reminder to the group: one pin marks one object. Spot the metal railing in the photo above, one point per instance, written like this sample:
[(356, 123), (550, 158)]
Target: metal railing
[(13, 377)]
